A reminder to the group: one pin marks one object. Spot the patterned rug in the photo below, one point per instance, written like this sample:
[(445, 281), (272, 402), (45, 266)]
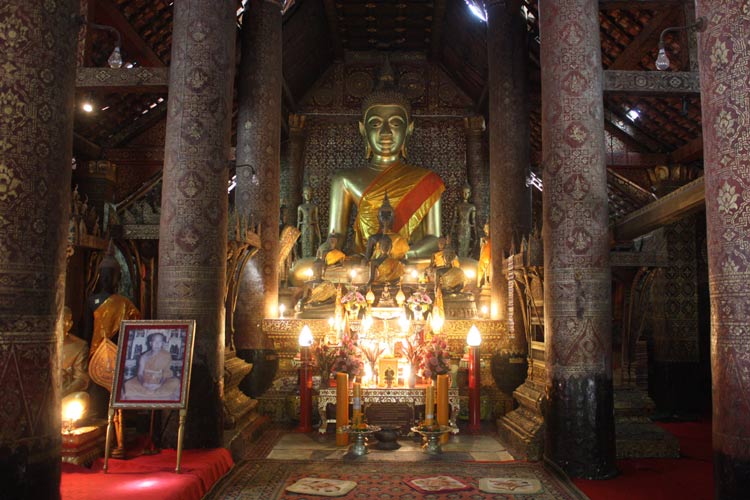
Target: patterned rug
[(267, 480)]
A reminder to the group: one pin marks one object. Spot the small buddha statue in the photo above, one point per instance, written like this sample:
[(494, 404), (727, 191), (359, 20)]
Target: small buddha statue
[(399, 246), (484, 269), (383, 267), (463, 225), (75, 358), (328, 253), (414, 192), (446, 268), (308, 224)]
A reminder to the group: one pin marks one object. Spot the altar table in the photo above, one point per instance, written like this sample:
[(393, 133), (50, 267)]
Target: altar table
[(415, 397)]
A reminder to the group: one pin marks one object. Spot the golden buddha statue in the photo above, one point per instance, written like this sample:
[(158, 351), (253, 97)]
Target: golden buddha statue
[(383, 267), (75, 358), (329, 253), (446, 268), (414, 192)]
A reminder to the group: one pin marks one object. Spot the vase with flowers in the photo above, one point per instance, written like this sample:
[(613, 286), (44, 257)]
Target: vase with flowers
[(412, 352), (353, 301), (323, 356), (372, 350), (418, 303), (348, 359), (435, 358)]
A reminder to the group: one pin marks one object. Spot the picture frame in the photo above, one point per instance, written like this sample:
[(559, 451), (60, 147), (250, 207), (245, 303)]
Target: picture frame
[(154, 364)]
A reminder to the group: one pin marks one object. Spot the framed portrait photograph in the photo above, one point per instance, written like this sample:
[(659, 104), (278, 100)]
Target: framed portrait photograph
[(154, 360)]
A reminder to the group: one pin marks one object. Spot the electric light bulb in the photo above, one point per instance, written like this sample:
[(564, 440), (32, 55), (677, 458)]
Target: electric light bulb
[(662, 61), (115, 59), (474, 338), (87, 107), (305, 337)]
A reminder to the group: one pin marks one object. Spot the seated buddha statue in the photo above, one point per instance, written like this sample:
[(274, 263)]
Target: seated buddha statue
[(328, 253), (446, 268), (414, 192), (383, 267), (75, 358), (399, 247)]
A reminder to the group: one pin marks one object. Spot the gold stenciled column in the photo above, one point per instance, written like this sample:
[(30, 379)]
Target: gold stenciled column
[(723, 57), (258, 166), (296, 152), (193, 225), (476, 166), (510, 203), (579, 421), (37, 86)]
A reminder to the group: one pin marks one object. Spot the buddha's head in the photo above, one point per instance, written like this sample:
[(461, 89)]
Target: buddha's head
[(307, 193), (386, 120), (466, 192)]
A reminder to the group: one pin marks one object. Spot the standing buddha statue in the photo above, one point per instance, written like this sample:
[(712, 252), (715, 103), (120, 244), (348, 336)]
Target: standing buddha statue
[(463, 225), (414, 192), (308, 224)]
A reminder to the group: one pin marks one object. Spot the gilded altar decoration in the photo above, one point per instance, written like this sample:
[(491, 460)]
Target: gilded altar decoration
[(435, 358)]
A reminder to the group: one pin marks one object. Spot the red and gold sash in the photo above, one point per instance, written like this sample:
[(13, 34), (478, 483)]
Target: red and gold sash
[(412, 191)]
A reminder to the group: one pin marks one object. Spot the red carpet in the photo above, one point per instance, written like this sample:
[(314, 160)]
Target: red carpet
[(147, 477), (690, 476)]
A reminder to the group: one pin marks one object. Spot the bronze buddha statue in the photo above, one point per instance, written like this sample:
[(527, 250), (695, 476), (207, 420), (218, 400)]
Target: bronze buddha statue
[(414, 192)]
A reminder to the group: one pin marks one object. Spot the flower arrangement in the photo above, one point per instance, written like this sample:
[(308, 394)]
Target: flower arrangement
[(353, 298), (435, 358), (371, 351), (347, 358), (323, 357), (412, 351), (419, 298)]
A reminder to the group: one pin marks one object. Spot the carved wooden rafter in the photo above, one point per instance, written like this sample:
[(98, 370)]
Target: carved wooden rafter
[(673, 206), (438, 20), (648, 37), (123, 80), (333, 26), (651, 82)]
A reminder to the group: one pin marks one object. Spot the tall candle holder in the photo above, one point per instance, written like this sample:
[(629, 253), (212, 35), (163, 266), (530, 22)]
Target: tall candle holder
[(474, 339), (305, 381)]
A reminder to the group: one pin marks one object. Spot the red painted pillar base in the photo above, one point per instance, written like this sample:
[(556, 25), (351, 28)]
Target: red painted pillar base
[(475, 423), (305, 392)]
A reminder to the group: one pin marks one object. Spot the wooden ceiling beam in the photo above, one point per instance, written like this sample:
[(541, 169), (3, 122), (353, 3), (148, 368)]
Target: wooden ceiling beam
[(681, 202), (438, 20), (122, 80), (643, 41), (689, 152), (655, 83), (108, 13), (333, 26)]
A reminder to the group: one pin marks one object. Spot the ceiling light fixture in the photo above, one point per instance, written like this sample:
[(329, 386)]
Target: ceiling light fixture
[(477, 8), (633, 114), (115, 58), (662, 61)]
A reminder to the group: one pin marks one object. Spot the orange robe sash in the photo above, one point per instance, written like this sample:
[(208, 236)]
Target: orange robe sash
[(412, 191)]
